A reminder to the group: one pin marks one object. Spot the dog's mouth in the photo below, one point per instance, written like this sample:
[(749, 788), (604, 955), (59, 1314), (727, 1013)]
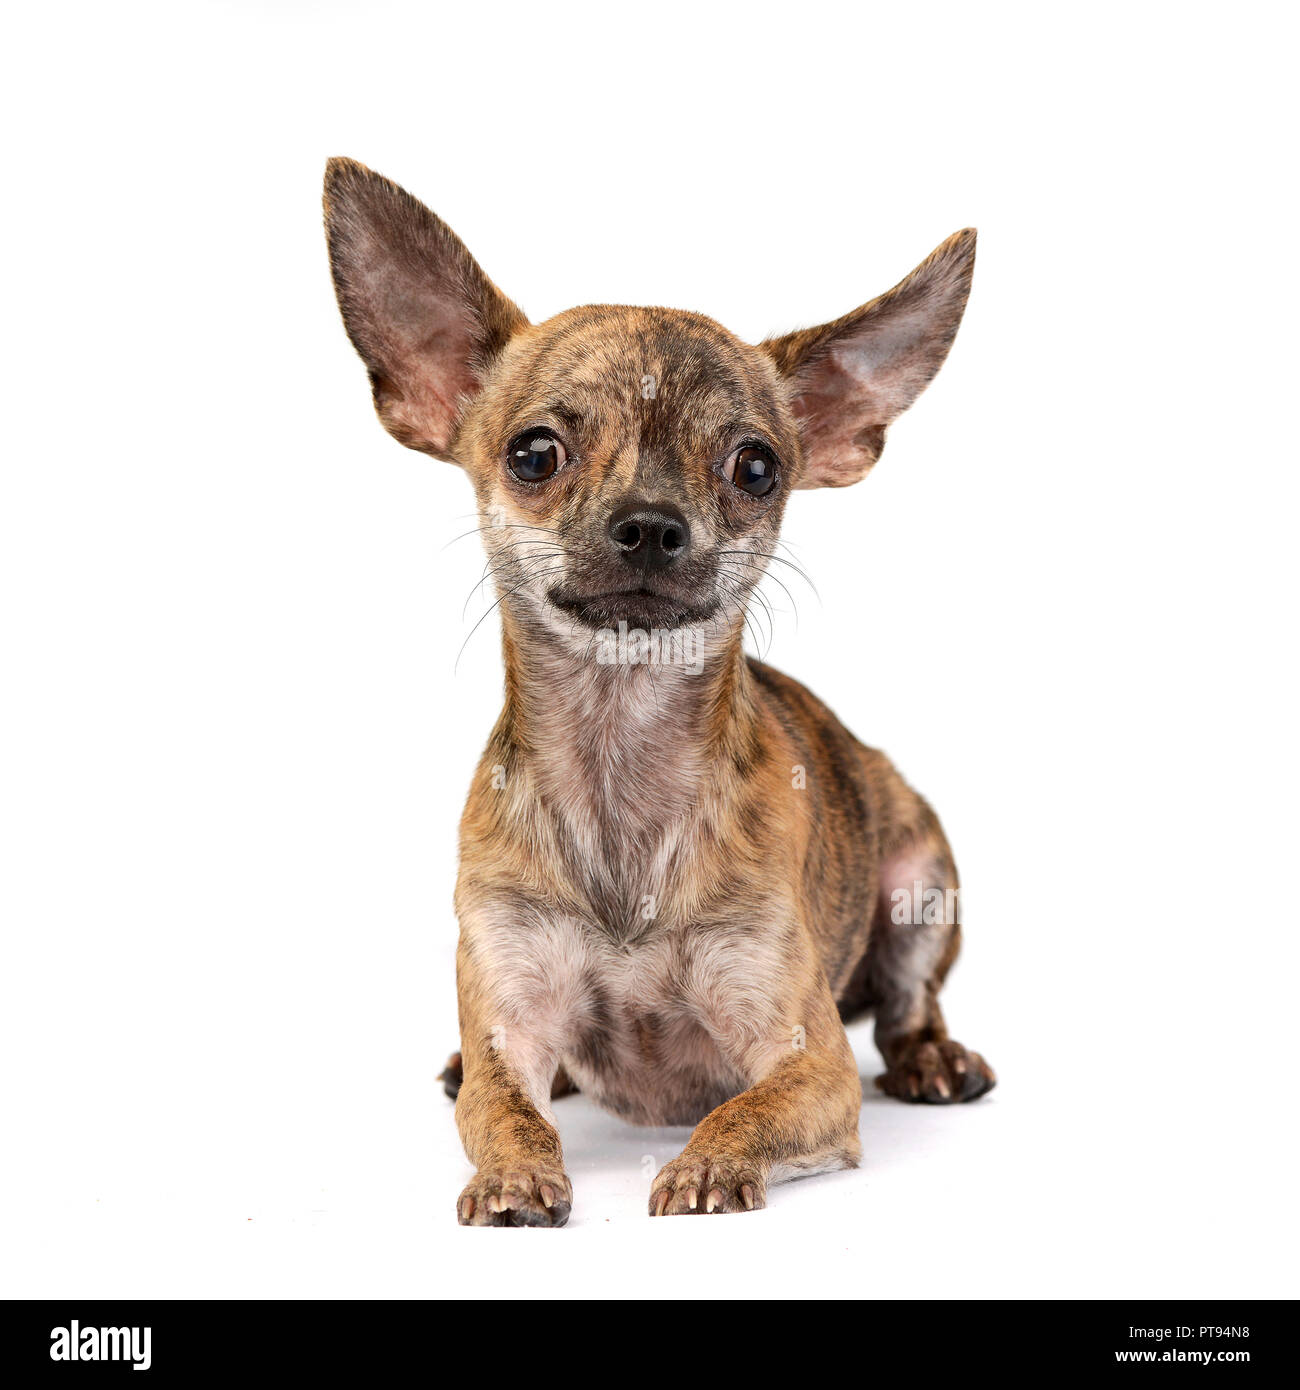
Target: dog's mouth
[(639, 608)]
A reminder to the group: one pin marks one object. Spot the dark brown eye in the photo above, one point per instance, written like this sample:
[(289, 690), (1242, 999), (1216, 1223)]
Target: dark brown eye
[(535, 456), (752, 469)]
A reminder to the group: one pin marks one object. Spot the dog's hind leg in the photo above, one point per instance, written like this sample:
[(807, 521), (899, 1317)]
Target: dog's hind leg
[(915, 938)]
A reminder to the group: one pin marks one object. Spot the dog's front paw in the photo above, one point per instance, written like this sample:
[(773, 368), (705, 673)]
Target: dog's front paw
[(938, 1074), (516, 1197), (699, 1185)]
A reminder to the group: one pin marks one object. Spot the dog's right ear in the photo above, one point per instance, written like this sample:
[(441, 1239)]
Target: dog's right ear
[(424, 317)]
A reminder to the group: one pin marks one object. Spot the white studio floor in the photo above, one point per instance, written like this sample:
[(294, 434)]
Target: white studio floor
[(1026, 1193), (244, 694)]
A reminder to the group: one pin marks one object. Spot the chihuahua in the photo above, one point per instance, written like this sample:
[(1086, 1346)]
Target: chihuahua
[(680, 874)]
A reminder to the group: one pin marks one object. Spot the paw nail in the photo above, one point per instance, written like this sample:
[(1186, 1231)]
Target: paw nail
[(467, 1209), (941, 1085), (548, 1195), (747, 1196), (714, 1200), (661, 1201), (497, 1204), (692, 1198)]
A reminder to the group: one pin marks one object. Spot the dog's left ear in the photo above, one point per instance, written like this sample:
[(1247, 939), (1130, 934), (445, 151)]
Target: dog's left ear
[(419, 309), (851, 378)]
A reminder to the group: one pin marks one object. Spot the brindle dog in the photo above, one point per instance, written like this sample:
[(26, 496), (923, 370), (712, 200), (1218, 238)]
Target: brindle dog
[(678, 876)]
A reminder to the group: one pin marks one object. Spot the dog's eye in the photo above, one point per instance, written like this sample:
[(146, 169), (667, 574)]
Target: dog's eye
[(752, 469), (535, 456)]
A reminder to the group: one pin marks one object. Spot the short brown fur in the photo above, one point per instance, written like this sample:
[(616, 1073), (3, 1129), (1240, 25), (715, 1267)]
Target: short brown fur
[(675, 883)]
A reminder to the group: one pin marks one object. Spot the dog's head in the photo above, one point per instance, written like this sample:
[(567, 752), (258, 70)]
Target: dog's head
[(630, 464)]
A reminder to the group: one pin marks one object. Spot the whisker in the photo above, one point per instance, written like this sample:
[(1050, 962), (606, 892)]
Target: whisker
[(780, 559), (502, 526), (794, 606), (515, 559), (768, 612), (737, 594), (533, 574)]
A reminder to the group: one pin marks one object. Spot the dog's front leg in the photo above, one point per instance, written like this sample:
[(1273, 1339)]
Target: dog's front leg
[(799, 1115), (502, 1110)]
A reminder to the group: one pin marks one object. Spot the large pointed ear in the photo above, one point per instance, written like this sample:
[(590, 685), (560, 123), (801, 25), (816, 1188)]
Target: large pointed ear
[(424, 317), (851, 378)]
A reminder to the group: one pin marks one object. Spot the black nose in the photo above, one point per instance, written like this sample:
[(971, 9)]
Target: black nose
[(650, 535)]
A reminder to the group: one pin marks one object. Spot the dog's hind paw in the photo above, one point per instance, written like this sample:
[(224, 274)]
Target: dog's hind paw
[(452, 1075), (938, 1074)]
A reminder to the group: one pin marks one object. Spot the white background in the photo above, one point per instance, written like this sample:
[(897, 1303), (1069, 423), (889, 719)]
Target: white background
[(235, 751)]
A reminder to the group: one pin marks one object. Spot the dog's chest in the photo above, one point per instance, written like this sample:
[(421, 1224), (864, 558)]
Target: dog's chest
[(624, 784), (626, 779), (641, 1048)]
